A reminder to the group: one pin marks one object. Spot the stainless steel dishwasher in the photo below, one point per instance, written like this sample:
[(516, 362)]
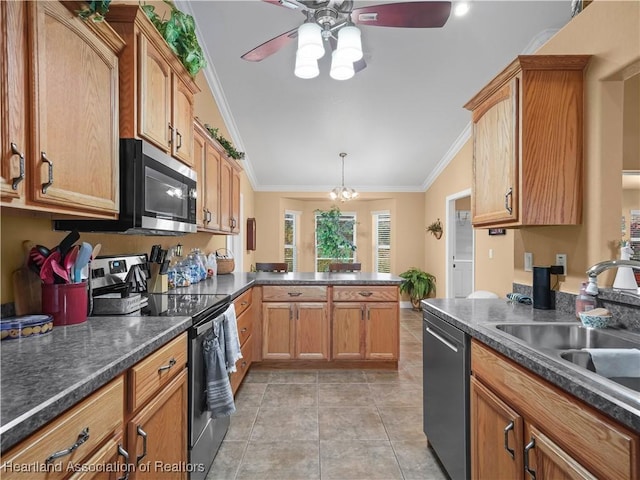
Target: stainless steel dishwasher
[(446, 359)]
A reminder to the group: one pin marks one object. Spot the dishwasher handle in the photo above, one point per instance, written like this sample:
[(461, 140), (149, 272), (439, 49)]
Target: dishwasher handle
[(442, 339)]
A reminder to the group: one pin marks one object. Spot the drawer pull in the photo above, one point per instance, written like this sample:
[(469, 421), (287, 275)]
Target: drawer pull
[(20, 177), (294, 294), (83, 437), (171, 363), (508, 428), (143, 434), (244, 303), (365, 294), (527, 449), (243, 330), (123, 453)]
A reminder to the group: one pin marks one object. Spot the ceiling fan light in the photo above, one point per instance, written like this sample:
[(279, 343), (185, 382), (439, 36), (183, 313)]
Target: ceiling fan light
[(350, 43), (310, 41), (461, 9), (341, 67), (306, 67)]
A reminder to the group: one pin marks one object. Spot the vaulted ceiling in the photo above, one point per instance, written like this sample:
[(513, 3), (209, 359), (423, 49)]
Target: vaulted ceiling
[(399, 119)]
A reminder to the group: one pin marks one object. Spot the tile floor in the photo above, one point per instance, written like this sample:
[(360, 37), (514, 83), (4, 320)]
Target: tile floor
[(332, 424)]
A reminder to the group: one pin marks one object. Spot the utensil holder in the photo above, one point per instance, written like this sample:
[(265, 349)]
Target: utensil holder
[(66, 302), (159, 282)]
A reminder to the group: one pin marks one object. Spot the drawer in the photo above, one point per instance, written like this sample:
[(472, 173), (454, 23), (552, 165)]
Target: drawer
[(242, 365), (292, 293), (150, 374), (243, 302), (110, 455), (365, 293), (101, 414), (245, 325)]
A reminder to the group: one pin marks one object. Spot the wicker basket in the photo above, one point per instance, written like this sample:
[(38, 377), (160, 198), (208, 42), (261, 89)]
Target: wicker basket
[(225, 261)]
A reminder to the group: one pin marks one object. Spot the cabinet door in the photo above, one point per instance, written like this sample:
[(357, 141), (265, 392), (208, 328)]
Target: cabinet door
[(312, 331), (495, 158), (348, 331), (182, 145), (277, 333), (212, 194), (235, 201), (549, 461), (111, 455), (13, 90), (199, 158), (381, 331), (158, 433), (226, 174), (496, 436), (75, 137), (154, 96)]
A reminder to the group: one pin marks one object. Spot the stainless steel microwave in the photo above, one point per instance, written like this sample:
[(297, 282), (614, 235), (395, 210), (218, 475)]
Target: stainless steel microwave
[(157, 195)]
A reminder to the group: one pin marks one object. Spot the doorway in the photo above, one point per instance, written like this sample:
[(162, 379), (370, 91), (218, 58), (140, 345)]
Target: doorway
[(460, 246)]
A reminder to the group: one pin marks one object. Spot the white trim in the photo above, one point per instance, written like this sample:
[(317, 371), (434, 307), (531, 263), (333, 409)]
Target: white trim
[(450, 247), (327, 189), (406, 304), (539, 40), (451, 153)]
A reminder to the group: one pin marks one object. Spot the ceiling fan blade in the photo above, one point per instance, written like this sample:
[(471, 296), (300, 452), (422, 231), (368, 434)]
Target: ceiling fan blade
[(359, 65), (404, 14), (270, 46)]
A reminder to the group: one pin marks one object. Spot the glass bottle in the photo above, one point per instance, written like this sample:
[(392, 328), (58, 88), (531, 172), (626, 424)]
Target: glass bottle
[(584, 301)]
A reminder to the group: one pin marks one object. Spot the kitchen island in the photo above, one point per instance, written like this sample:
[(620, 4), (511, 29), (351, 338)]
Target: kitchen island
[(42, 377)]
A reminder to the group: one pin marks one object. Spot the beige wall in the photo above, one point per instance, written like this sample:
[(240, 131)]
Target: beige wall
[(407, 230), (610, 31)]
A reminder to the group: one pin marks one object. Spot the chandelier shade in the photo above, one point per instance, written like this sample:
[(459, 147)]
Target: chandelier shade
[(349, 43), (310, 41), (306, 67), (342, 193), (341, 67)]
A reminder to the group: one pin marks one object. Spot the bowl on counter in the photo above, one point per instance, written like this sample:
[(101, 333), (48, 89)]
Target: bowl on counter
[(596, 320), (25, 326)]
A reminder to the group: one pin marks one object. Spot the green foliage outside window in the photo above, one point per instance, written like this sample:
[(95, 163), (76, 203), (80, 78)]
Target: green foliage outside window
[(335, 238)]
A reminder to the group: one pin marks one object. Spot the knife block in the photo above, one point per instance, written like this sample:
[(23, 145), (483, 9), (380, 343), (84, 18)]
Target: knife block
[(158, 283)]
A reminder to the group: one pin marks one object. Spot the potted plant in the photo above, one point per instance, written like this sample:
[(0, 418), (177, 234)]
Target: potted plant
[(435, 229), (418, 284), (333, 236)]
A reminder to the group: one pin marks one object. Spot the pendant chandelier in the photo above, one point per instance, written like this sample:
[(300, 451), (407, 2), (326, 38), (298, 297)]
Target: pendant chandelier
[(343, 193)]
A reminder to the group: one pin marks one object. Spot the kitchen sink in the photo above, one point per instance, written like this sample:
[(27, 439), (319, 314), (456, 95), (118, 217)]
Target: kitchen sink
[(583, 359), (569, 336)]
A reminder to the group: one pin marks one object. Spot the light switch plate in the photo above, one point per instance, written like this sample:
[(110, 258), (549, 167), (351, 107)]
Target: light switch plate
[(561, 259), (528, 262)]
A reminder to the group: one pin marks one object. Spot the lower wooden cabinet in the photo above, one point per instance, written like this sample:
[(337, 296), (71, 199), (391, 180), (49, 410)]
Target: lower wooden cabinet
[(157, 435), (523, 427), (111, 462), (245, 318)]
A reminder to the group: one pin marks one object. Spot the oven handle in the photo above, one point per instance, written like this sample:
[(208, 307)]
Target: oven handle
[(442, 339), (205, 327)]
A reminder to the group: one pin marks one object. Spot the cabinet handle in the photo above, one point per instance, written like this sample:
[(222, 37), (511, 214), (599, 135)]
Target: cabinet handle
[(170, 134), (82, 437), (508, 201), (508, 428), (45, 186), (294, 294), (171, 363), (362, 313), (19, 178), (179, 135), (143, 434), (365, 294), (205, 216), (123, 453), (244, 303), (530, 445), (290, 313), (243, 330)]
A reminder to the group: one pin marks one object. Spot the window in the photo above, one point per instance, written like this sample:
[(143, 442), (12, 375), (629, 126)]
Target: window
[(382, 242), (340, 241), (290, 252)]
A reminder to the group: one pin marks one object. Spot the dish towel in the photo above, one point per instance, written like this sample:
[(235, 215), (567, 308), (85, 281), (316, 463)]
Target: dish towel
[(616, 362), (218, 388), (232, 341)]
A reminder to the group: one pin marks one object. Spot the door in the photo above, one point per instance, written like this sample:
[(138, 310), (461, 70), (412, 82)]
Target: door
[(226, 173), (182, 114), (496, 436), (312, 331), (460, 245), (212, 193), (381, 331), (348, 331), (158, 433), (199, 158), (277, 333), (235, 201)]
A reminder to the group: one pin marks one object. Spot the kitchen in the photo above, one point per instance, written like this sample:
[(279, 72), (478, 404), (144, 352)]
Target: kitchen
[(584, 244)]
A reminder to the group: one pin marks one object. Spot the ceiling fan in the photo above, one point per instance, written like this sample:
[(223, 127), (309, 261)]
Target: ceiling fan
[(334, 22)]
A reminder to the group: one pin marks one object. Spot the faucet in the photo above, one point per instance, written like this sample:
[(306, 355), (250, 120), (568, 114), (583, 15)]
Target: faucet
[(595, 270)]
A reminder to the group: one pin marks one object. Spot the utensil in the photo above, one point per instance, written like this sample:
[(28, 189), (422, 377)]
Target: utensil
[(36, 258), (66, 243), (69, 261), (27, 291), (60, 275), (96, 250), (84, 255)]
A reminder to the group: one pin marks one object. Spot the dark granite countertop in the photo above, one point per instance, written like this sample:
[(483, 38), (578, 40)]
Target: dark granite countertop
[(43, 376), (478, 317)]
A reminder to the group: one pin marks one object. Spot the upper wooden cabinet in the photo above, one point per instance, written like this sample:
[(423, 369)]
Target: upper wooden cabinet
[(156, 91), (527, 143), (64, 112)]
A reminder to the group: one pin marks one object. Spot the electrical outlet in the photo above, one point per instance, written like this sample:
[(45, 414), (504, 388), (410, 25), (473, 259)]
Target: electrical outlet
[(561, 260), (491, 253), (528, 262)]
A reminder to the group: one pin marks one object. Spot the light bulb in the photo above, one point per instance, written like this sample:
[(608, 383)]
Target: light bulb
[(306, 67), (461, 9), (341, 67), (310, 41), (349, 43)]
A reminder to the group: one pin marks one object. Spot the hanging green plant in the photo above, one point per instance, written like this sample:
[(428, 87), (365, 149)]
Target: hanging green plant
[(226, 144), (95, 10), (180, 33)]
